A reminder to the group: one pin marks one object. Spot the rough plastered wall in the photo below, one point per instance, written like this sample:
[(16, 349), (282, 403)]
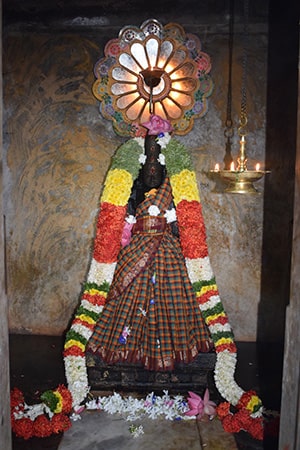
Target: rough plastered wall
[(57, 150)]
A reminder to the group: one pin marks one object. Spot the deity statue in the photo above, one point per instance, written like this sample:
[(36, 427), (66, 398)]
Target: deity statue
[(151, 316)]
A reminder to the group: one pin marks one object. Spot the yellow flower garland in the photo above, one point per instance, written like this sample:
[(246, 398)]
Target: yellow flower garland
[(117, 187), (184, 186)]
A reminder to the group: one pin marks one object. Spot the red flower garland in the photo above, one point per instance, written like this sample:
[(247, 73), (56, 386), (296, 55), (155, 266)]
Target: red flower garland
[(222, 320), (230, 347), (192, 229), (22, 428), (245, 399), (42, 426), (74, 351), (94, 299), (241, 420), (66, 398), (16, 399), (109, 232), (90, 326), (204, 297), (60, 422)]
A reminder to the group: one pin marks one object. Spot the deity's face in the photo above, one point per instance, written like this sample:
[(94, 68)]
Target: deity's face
[(152, 173)]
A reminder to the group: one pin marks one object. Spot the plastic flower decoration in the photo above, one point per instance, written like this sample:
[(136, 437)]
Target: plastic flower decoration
[(201, 407)]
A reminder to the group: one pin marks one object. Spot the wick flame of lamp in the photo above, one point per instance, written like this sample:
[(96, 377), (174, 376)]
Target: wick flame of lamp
[(241, 179)]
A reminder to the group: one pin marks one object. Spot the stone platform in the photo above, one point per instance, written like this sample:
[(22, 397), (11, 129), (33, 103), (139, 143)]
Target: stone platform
[(196, 376), (98, 430)]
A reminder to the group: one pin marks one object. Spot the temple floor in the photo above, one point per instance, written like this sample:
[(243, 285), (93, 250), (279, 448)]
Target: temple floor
[(36, 365)]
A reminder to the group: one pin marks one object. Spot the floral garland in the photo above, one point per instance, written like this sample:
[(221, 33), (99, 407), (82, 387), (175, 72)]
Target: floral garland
[(51, 416), (124, 169), (194, 247), (233, 422)]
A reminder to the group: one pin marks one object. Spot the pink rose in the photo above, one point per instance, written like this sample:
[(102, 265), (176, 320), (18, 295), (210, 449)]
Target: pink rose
[(157, 125)]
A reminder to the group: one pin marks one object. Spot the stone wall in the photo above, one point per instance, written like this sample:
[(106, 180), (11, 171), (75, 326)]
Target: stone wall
[(57, 150)]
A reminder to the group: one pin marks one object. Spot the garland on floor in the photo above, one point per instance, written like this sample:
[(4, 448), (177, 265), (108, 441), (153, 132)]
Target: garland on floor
[(50, 416), (117, 188)]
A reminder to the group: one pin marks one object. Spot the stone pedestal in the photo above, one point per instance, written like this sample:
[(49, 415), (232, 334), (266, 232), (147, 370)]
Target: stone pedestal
[(196, 376)]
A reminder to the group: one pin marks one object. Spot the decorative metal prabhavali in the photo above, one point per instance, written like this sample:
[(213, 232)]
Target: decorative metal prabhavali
[(153, 69)]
